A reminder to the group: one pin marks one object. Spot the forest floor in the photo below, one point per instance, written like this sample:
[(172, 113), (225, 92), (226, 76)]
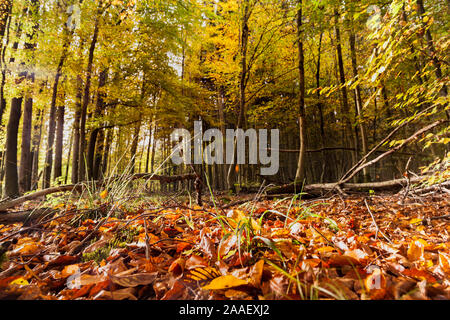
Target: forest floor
[(374, 247)]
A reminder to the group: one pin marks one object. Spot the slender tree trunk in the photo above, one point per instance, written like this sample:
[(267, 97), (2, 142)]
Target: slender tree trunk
[(59, 142), (25, 169), (5, 13), (76, 132), (52, 118), (320, 109), (99, 150), (221, 105), (300, 175), (134, 146), (11, 169), (85, 103), (319, 102), (11, 174), (26, 159), (154, 145), (432, 51), (107, 150), (66, 175), (358, 102), (147, 162), (231, 178), (91, 155), (36, 145), (345, 113)]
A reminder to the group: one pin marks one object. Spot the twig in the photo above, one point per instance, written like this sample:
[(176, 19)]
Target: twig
[(147, 246), (408, 179), (375, 223)]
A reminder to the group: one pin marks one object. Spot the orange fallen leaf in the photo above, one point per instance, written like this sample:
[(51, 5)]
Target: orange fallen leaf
[(419, 274), (70, 270), (416, 250), (177, 267), (444, 262)]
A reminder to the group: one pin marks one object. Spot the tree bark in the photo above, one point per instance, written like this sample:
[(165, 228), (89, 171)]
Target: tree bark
[(11, 174), (300, 175), (345, 113), (358, 101), (26, 159), (5, 12), (59, 142), (11, 169), (432, 51), (86, 97), (52, 118), (97, 132), (76, 132), (231, 178), (106, 152), (134, 146), (36, 145)]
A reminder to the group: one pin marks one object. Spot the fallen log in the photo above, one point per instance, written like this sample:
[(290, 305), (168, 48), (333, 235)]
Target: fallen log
[(320, 189), (26, 217), (5, 205)]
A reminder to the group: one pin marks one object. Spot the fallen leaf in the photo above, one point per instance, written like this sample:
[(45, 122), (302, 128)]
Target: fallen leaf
[(225, 282), (122, 294), (134, 280), (177, 267), (19, 282), (416, 250), (255, 274), (444, 262), (176, 292)]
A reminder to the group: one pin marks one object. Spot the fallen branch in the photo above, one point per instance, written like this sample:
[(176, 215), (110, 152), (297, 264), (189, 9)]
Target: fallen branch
[(79, 187), (414, 137), (27, 217), (320, 189)]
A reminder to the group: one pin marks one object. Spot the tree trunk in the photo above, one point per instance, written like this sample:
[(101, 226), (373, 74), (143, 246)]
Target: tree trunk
[(11, 170), (5, 12), (76, 132), (134, 146), (36, 148), (358, 101), (59, 142), (231, 178), (86, 97), (221, 105), (345, 113), (52, 118), (147, 161), (300, 175), (107, 149), (432, 51), (11, 174), (92, 155), (66, 175), (26, 159)]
